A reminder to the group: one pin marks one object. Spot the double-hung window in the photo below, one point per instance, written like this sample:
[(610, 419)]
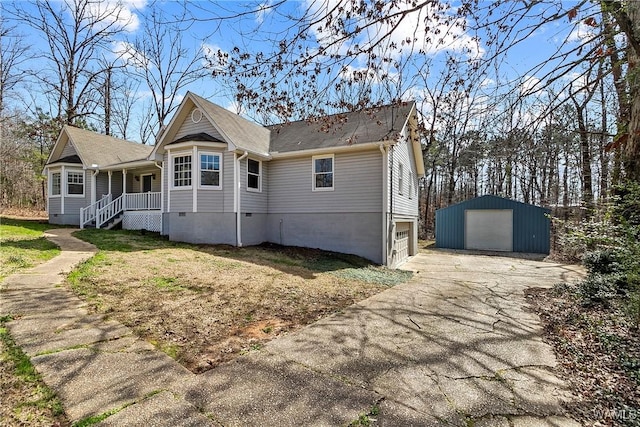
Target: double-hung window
[(55, 183), (254, 177), (210, 170), (182, 171), (323, 173), (75, 183)]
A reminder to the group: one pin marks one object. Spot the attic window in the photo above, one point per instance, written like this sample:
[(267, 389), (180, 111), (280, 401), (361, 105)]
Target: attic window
[(196, 115)]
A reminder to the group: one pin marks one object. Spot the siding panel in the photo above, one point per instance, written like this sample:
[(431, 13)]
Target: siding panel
[(203, 126), (357, 182), (68, 150), (402, 153), (252, 201)]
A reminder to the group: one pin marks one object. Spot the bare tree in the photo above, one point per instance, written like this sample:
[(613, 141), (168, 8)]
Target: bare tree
[(13, 54), (75, 33), (159, 57)]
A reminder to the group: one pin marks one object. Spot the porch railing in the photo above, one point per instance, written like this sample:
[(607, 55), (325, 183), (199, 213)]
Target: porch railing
[(88, 214), (128, 202)]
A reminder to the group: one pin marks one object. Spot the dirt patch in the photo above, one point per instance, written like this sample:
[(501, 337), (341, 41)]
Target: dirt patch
[(207, 305), (598, 353)]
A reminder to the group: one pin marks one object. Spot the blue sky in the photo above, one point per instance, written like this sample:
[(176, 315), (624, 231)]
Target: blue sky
[(252, 30)]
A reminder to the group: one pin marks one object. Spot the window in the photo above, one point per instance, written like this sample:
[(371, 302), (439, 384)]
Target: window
[(253, 175), (75, 183), (182, 171), (210, 170), (400, 178), (55, 184), (323, 173)]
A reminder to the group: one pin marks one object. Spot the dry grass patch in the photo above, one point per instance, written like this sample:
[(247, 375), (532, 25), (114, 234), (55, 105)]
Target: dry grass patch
[(205, 305)]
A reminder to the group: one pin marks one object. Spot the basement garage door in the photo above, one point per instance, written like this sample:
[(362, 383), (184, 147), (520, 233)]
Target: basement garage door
[(402, 241), (489, 230)]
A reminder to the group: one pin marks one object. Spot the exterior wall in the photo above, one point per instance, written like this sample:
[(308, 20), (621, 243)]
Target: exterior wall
[(252, 201), (68, 150), (218, 200), (72, 204), (102, 185), (357, 185), (135, 186), (351, 233), (203, 126), (254, 229), (407, 202), (202, 227), (531, 228)]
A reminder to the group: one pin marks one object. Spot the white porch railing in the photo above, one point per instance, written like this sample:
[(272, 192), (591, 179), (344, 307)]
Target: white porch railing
[(88, 214), (128, 202), (142, 201)]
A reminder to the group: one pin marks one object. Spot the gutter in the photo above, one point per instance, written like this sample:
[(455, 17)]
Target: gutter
[(238, 198), (330, 150)]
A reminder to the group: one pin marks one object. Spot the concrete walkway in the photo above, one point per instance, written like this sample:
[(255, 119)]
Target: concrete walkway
[(454, 346)]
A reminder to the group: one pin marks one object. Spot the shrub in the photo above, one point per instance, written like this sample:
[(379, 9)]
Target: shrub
[(604, 261), (596, 289)]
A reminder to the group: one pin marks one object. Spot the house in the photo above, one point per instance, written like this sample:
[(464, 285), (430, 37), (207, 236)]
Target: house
[(346, 183), (493, 223)]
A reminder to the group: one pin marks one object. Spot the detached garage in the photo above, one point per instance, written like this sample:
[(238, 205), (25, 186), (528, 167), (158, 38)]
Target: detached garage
[(492, 223)]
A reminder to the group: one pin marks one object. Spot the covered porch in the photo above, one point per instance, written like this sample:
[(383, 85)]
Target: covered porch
[(129, 196)]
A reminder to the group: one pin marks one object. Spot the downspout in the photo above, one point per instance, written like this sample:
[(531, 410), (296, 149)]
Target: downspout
[(238, 213), (385, 201), (161, 167), (390, 223)]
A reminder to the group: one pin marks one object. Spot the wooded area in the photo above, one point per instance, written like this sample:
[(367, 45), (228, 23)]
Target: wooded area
[(561, 139)]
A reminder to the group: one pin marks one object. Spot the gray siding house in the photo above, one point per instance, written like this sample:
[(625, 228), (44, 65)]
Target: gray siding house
[(346, 183)]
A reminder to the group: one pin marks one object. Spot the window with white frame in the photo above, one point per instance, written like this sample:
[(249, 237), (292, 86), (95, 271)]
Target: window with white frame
[(75, 183), (210, 170), (400, 178), (182, 171), (254, 175), (55, 183), (323, 173)]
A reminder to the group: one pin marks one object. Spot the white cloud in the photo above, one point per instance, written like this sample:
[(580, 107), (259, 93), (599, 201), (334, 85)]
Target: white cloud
[(263, 10), (359, 74), (529, 85), (581, 33), (431, 29), (120, 12), (128, 54)]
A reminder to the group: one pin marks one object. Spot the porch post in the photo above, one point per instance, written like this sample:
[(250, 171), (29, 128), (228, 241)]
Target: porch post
[(124, 189), (63, 188), (110, 174)]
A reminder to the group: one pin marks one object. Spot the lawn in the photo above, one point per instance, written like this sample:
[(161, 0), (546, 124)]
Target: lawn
[(26, 400), (22, 244), (205, 305)]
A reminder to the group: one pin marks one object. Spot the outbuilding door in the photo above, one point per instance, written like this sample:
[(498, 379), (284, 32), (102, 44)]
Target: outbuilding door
[(489, 230), (402, 242)]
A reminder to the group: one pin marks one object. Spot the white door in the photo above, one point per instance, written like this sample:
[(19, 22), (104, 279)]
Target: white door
[(402, 242), (489, 230)]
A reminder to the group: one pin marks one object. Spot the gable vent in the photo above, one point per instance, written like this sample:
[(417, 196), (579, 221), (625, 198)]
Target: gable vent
[(196, 115)]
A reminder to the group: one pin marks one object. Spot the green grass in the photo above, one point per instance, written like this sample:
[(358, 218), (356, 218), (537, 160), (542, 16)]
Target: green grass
[(42, 397), (22, 245), (125, 240)]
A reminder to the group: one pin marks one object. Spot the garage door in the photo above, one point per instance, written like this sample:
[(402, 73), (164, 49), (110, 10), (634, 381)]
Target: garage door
[(489, 230), (402, 241)]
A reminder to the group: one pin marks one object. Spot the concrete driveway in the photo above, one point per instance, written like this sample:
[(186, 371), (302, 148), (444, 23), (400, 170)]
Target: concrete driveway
[(454, 346)]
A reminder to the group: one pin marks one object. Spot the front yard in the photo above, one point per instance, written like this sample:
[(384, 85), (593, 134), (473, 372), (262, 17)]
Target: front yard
[(204, 305)]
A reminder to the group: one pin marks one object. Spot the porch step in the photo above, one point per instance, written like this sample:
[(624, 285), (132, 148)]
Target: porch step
[(114, 222)]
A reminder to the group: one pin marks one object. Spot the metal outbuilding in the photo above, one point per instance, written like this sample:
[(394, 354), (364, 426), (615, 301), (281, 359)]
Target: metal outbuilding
[(494, 223)]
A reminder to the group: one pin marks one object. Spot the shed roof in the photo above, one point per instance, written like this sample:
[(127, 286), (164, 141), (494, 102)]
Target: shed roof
[(488, 201)]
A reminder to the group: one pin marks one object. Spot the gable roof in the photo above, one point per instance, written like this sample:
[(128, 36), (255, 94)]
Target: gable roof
[(238, 132), (338, 130), (93, 148)]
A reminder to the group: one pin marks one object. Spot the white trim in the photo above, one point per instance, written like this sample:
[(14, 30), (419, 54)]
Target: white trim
[(171, 176), (385, 201), (239, 199), (313, 172), (168, 177), (110, 175), (124, 181), (51, 172), (94, 185), (206, 144), (195, 167), (66, 182), (251, 189), (332, 150), (235, 183), (220, 163), (193, 115)]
